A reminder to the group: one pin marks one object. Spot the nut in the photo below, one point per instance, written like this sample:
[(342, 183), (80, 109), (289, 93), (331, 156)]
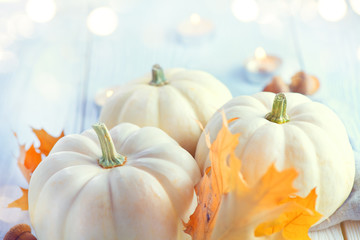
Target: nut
[(304, 83), (277, 85), (20, 232)]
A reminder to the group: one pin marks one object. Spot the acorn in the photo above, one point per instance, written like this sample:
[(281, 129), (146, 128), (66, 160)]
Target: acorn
[(19, 232), (277, 85), (304, 83)]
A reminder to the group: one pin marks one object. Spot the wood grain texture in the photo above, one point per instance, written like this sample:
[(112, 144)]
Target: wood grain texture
[(62, 66), (332, 233), (351, 230), (41, 92)]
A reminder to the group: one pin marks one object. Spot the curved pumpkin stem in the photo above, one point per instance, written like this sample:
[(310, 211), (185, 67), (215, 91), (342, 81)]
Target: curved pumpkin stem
[(110, 158), (158, 77), (278, 113)]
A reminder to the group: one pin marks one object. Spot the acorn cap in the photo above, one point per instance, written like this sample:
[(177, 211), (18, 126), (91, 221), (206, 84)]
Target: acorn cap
[(20, 232)]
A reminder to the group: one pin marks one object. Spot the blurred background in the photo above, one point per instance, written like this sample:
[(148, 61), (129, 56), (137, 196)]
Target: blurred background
[(56, 56)]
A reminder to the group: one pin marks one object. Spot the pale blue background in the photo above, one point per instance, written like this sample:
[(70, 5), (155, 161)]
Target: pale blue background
[(80, 63)]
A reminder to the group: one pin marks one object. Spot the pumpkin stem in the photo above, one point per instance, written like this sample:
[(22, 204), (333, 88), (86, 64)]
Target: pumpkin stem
[(158, 77), (110, 158), (278, 113)]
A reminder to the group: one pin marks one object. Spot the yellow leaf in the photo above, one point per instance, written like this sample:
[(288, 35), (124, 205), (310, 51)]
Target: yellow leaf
[(242, 209), (228, 208), (224, 182), (221, 150), (211, 187), (22, 202), (201, 221), (274, 186), (294, 223), (46, 140)]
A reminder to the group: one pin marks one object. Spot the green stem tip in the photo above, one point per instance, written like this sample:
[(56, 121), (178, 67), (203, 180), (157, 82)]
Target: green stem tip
[(110, 158), (278, 113), (158, 76)]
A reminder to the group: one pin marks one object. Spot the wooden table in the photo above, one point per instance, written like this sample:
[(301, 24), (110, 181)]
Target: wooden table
[(50, 72)]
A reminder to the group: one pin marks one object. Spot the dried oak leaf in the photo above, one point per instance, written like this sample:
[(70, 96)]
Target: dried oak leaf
[(230, 209), (20, 162), (242, 210), (46, 140), (22, 202), (211, 187), (28, 161), (294, 223), (32, 159)]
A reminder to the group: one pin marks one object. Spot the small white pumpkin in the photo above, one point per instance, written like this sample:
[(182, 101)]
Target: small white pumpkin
[(296, 133), (86, 190), (174, 100)]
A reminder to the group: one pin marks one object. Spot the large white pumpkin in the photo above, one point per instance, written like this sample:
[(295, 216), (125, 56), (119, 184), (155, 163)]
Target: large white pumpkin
[(310, 138), (85, 190), (174, 100)]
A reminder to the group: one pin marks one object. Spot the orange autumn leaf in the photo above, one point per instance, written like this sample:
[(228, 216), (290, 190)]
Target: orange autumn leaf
[(20, 162), (32, 159), (22, 202), (46, 140), (223, 148), (295, 223), (28, 161), (242, 209), (228, 208), (201, 221), (274, 186), (211, 187)]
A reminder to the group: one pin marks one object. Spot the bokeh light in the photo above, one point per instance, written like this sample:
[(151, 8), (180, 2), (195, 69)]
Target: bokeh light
[(332, 10), (41, 10), (355, 5), (260, 53), (195, 18), (109, 93), (245, 10), (102, 21), (103, 95)]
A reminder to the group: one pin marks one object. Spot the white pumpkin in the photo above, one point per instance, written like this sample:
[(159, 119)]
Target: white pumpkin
[(174, 100), (313, 141), (86, 190)]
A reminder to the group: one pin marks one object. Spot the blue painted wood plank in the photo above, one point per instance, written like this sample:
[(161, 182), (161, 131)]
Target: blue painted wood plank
[(42, 91)]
